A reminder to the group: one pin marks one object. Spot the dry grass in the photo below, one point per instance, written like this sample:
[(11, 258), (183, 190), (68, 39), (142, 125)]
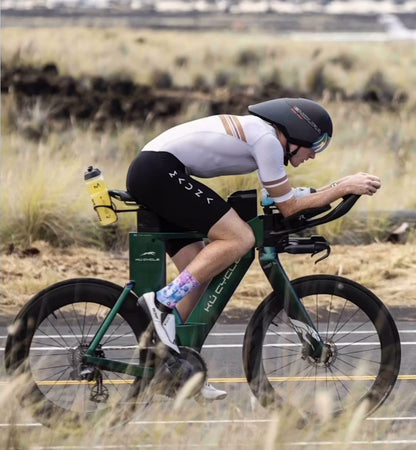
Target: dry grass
[(51, 194), (377, 141), (188, 424), (386, 269), (248, 57)]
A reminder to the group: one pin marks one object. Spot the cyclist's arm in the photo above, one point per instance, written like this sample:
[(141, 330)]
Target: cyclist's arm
[(294, 205), (330, 186), (360, 183)]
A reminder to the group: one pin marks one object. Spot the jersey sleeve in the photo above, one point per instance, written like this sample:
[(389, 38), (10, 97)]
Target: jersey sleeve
[(268, 153)]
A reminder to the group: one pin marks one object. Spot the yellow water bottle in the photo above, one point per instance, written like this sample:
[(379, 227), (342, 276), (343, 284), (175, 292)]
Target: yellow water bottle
[(100, 196)]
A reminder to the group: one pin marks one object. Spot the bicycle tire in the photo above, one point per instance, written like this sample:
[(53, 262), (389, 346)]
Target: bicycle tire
[(365, 362), (48, 338)]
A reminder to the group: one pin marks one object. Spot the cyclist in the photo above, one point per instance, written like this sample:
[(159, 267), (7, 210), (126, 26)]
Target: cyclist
[(275, 133)]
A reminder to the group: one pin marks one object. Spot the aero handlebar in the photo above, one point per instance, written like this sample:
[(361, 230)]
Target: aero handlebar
[(310, 217)]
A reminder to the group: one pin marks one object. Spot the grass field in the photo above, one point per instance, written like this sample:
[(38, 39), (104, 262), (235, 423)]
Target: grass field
[(43, 197), (53, 205)]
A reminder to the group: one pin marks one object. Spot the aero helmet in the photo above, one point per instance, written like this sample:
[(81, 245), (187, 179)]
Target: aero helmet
[(303, 122)]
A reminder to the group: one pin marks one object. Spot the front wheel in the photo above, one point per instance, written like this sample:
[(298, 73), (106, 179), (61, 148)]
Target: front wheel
[(358, 331)]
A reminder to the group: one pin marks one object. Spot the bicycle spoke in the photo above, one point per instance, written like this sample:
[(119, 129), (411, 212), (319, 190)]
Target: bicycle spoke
[(350, 318), (342, 358), (67, 324), (51, 338)]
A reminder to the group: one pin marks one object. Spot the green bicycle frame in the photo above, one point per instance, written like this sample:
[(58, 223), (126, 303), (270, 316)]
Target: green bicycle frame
[(148, 273), (148, 265)]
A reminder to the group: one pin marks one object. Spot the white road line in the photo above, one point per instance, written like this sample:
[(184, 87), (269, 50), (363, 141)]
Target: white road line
[(210, 346), (384, 419), (6, 425), (350, 443), (228, 334), (212, 422), (214, 346)]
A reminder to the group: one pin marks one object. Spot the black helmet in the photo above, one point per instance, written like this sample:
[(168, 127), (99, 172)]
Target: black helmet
[(303, 122)]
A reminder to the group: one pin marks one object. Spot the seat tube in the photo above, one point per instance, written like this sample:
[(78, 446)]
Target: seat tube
[(147, 261)]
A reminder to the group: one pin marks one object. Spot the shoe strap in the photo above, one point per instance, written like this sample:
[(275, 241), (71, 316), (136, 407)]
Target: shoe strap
[(162, 307)]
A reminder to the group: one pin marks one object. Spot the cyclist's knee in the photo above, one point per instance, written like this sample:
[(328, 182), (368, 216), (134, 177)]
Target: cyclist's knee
[(246, 240), (232, 228)]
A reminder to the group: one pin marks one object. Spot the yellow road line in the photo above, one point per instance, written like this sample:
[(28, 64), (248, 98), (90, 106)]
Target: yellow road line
[(230, 380)]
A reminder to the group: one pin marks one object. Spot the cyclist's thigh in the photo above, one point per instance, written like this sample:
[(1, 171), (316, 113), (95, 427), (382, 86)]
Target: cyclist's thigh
[(159, 181), (231, 226)]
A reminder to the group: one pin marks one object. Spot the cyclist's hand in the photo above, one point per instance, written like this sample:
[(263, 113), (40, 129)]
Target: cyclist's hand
[(362, 183)]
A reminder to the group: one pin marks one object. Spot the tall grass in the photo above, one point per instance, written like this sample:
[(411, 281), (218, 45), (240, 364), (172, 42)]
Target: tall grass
[(188, 424), (42, 191), (43, 194), (248, 58)]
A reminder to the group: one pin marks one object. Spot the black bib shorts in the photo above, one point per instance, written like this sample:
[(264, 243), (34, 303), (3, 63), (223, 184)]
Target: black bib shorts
[(160, 181)]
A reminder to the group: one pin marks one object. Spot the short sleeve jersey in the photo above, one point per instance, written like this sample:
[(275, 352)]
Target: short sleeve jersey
[(225, 145)]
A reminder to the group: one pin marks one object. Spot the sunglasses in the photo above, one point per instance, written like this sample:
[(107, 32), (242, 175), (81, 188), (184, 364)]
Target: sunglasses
[(321, 144)]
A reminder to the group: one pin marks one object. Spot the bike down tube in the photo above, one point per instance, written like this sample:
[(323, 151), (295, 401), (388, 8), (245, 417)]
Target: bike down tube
[(219, 292), (109, 319)]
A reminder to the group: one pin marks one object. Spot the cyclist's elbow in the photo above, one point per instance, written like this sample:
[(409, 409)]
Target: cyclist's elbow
[(289, 207)]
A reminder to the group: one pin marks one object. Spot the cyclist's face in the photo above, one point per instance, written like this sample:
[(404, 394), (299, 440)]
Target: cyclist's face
[(302, 155)]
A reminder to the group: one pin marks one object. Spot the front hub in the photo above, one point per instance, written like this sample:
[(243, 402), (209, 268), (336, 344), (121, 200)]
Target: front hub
[(327, 357)]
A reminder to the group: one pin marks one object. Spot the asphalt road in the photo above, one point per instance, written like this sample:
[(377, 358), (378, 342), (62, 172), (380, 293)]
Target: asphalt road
[(222, 354)]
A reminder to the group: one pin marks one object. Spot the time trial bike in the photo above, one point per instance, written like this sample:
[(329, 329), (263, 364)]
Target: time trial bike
[(86, 345)]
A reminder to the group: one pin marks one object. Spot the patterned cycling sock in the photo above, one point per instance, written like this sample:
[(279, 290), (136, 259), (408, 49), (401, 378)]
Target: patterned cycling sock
[(174, 292)]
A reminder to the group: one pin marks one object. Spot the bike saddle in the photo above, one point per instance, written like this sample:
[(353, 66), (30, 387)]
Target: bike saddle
[(122, 196)]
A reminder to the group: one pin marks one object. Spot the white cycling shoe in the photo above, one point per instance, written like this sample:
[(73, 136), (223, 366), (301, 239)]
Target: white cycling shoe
[(209, 392), (162, 317)]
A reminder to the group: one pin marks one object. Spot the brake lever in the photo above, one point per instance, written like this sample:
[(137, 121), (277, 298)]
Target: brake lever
[(328, 252)]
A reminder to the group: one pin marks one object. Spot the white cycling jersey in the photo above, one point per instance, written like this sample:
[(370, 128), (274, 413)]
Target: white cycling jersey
[(226, 145)]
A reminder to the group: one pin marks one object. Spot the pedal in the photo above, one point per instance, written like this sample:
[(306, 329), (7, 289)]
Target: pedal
[(174, 370)]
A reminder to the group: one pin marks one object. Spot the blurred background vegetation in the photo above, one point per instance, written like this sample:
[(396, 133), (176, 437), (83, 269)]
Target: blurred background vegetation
[(367, 87)]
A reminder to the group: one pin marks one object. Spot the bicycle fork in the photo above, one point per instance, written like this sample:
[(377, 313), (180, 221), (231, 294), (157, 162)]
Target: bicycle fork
[(312, 344)]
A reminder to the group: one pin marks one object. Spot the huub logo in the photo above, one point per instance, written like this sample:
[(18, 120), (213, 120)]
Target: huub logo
[(190, 187)]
